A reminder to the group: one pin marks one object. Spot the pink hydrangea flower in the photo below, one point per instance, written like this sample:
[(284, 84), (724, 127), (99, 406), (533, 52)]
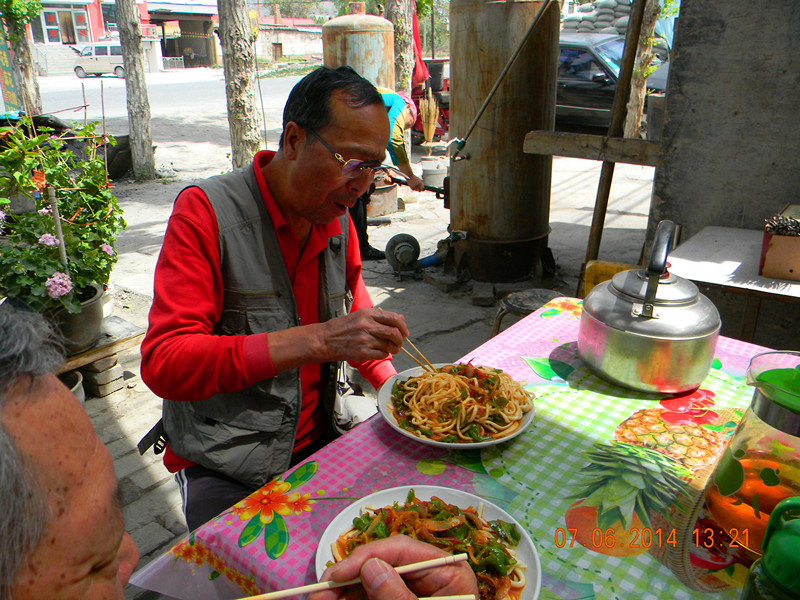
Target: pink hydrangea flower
[(107, 249), (58, 285), (44, 211), (2, 216), (48, 239)]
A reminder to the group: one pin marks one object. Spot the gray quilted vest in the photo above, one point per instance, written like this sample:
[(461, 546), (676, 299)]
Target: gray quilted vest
[(249, 435)]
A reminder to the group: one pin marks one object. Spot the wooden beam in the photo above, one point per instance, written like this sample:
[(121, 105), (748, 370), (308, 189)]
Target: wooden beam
[(81, 360), (595, 147)]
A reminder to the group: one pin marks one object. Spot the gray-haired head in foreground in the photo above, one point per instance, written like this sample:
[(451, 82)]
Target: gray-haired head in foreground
[(27, 351), (309, 101)]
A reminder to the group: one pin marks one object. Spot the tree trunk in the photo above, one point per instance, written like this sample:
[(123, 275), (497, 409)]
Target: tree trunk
[(29, 85), (400, 13), (130, 37), (644, 56), (239, 62)]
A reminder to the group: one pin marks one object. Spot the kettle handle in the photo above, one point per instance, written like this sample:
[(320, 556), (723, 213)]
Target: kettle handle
[(661, 243), (657, 265)]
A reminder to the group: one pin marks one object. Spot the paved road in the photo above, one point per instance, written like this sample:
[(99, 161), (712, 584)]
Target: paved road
[(188, 113), (171, 93)]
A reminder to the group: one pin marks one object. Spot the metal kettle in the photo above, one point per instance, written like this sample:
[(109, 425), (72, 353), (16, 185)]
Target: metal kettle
[(647, 329)]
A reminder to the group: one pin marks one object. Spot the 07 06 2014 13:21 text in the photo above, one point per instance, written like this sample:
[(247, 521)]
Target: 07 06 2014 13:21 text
[(647, 538)]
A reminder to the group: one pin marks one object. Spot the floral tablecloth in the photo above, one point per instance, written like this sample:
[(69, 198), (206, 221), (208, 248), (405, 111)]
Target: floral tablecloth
[(269, 540)]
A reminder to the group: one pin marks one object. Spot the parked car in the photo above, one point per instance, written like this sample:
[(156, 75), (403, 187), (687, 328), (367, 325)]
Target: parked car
[(100, 58), (588, 69)]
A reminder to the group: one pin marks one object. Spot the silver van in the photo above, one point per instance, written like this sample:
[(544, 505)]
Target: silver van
[(100, 58)]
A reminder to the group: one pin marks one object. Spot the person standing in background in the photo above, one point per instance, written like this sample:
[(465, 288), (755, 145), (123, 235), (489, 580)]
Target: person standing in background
[(402, 114)]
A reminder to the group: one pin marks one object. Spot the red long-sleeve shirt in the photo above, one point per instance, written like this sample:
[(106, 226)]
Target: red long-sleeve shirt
[(183, 360)]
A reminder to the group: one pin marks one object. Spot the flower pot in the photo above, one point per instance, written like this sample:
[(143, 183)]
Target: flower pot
[(74, 381), (21, 202), (81, 330)]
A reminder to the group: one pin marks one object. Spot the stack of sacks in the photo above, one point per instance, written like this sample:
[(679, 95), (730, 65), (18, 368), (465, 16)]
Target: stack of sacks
[(600, 16)]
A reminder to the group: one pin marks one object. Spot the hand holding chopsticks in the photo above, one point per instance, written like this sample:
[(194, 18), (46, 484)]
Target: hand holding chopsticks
[(403, 569)]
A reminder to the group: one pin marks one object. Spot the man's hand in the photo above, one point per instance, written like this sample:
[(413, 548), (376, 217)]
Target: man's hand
[(374, 563), (415, 183), (366, 334)]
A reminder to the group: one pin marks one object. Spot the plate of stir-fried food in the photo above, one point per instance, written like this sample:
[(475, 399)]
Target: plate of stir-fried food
[(456, 405), (500, 551)]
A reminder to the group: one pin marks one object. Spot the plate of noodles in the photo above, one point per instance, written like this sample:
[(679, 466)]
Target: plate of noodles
[(501, 552), (457, 406)]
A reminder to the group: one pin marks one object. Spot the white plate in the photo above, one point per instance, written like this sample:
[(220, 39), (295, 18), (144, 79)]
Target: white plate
[(526, 551), (385, 408)]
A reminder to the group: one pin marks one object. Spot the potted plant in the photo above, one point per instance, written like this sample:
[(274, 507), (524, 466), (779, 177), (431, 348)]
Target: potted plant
[(58, 256)]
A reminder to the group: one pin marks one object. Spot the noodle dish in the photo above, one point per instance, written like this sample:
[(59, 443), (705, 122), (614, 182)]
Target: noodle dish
[(456, 404), (499, 551)]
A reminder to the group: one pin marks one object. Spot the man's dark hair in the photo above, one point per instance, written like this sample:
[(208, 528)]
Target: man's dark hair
[(309, 103)]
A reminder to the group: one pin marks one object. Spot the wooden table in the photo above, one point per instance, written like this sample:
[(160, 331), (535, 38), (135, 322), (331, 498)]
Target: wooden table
[(727, 258)]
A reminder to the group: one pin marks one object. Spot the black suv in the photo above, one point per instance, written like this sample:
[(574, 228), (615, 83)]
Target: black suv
[(588, 68)]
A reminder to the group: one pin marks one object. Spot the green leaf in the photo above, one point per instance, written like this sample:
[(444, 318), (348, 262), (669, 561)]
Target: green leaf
[(626, 511), (617, 491), (276, 537), (642, 512), (609, 519), (302, 474), (431, 466), (549, 369), (467, 459), (595, 498), (634, 480), (213, 575), (251, 531)]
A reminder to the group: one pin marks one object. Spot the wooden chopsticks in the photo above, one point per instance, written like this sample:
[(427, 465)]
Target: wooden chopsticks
[(403, 569), (427, 364)]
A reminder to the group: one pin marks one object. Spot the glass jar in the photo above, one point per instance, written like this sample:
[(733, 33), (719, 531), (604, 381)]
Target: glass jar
[(761, 465)]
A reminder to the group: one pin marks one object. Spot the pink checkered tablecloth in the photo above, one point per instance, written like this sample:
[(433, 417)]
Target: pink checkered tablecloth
[(269, 541)]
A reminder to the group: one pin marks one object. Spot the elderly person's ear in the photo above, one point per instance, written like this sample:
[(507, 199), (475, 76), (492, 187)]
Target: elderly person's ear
[(294, 138)]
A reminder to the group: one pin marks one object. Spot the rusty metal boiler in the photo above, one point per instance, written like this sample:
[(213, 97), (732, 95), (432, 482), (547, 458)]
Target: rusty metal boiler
[(364, 42), (501, 196)]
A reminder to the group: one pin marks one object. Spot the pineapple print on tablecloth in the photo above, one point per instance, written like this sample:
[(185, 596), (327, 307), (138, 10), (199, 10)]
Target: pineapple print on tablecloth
[(624, 485), (686, 441)]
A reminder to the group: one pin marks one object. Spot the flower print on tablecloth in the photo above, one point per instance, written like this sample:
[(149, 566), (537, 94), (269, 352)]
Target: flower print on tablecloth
[(264, 510), (262, 516), (192, 550), (571, 306)]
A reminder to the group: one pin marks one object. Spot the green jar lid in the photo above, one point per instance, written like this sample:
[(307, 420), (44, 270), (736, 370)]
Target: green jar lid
[(782, 386), (781, 558)]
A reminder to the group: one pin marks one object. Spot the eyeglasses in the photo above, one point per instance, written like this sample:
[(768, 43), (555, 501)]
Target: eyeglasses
[(355, 168)]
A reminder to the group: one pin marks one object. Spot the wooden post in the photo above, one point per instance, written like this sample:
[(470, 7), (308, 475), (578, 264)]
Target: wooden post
[(621, 96), (62, 249)]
